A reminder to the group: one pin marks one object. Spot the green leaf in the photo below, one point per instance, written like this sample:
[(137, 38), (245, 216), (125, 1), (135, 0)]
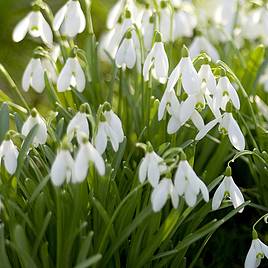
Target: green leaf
[(4, 121), (89, 262), (3, 254), (25, 149)]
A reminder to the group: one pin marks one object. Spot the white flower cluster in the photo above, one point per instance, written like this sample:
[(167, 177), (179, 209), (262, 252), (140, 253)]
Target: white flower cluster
[(201, 89), (69, 21), (76, 170), (186, 182)]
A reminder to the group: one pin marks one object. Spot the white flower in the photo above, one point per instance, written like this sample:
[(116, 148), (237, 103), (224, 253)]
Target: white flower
[(161, 193), (126, 55), (201, 44), (78, 126), (115, 13), (71, 75), (9, 154), (34, 76), (169, 101), (225, 92), (229, 126), (147, 28), (151, 167), (32, 120), (207, 83), (183, 24), (165, 22), (186, 71), (70, 19), (62, 167), (156, 60), (256, 252), (36, 25), (86, 154), (109, 128), (230, 189), (188, 184)]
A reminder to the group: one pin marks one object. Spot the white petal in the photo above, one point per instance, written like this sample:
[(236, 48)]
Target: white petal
[(21, 29), (81, 164), (114, 14), (174, 125), (197, 120), (26, 79), (59, 17), (64, 79), (174, 76), (250, 261), (101, 139), (203, 132), (41, 135), (174, 195), (187, 108), (147, 65), (58, 169), (143, 169), (218, 196), (160, 195), (235, 135), (79, 76), (45, 31), (264, 249), (190, 197), (153, 172), (38, 79), (236, 195), (179, 181), (234, 96), (10, 157), (131, 55), (96, 158)]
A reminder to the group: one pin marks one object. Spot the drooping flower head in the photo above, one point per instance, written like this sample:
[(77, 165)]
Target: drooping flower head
[(32, 120), (36, 25), (70, 19), (151, 167), (9, 154), (228, 189)]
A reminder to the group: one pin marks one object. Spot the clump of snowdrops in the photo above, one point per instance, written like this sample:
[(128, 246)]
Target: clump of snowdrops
[(135, 150)]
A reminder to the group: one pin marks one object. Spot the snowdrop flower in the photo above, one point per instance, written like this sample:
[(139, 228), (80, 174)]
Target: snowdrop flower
[(34, 76), (156, 60), (78, 126), (228, 188), (188, 184), (62, 167), (161, 193), (257, 251), (86, 154), (188, 74), (201, 44), (36, 25), (225, 92), (72, 75), (147, 28), (70, 19), (115, 13), (109, 128), (198, 99), (9, 154), (151, 167), (165, 22), (229, 126), (32, 120), (126, 54), (169, 101), (183, 24)]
